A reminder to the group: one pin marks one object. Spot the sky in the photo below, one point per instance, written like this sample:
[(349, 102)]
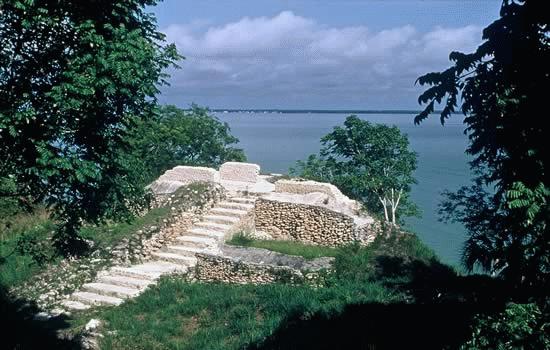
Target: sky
[(314, 54)]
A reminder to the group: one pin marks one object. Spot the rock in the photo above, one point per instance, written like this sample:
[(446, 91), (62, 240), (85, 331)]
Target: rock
[(92, 325), (42, 316)]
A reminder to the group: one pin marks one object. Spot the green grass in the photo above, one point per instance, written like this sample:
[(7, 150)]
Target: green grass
[(181, 315), (36, 229), (17, 267), (106, 235), (176, 314), (109, 234), (306, 251)]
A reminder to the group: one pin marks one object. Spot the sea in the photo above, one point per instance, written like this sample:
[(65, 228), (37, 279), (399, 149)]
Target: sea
[(276, 140)]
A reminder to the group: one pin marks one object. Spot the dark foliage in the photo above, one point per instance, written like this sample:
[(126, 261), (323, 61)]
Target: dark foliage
[(179, 137), (503, 85), (75, 76), (21, 331)]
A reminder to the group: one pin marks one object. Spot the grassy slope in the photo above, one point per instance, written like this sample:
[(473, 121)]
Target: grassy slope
[(108, 235), (16, 266), (286, 247), (179, 315)]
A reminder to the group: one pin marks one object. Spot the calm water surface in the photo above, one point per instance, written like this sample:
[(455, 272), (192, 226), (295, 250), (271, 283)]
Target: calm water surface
[(277, 141)]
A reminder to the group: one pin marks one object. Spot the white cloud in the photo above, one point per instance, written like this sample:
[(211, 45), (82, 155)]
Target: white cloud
[(291, 61)]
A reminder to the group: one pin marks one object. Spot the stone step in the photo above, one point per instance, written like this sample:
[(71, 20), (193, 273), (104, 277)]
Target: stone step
[(228, 212), (150, 270), (75, 305), (175, 258), (235, 205), (213, 226), (95, 299), (217, 235), (242, 200), (125, 281), (185, 250), (197, 241), (110, 290), (221, 219)]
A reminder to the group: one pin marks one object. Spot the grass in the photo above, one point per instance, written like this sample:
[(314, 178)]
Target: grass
[(179, 315), (16, 266), (19, 266), (33, 231), (107, 235), (176, 314), (306, 251)]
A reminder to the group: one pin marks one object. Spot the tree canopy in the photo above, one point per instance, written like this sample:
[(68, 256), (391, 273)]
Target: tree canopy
[(183, 137), (372, 163), (75, 76), (503, 87)]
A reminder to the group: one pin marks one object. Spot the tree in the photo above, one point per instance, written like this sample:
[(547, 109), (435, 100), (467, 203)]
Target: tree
[(503, 85), (75, 77), (369, 162), (179, 137)]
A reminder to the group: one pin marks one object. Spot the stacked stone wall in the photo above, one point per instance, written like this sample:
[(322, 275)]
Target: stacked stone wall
[(214, 268), (259, 266), (305, 223)]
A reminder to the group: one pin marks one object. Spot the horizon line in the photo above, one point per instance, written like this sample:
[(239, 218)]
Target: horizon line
[(345, 111)]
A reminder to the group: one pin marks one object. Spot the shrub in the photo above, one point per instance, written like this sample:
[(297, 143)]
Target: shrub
[(519, 326)]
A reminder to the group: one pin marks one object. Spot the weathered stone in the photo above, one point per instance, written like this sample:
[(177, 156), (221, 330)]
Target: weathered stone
[(236, 171), (302, 222), (254, 265)]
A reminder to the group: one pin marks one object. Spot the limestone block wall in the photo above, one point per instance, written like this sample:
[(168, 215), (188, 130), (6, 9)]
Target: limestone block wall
[(236, 171), (189, 174), (302, 222)]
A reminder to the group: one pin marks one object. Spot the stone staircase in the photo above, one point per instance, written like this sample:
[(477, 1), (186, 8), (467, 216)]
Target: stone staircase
[(112, 286)]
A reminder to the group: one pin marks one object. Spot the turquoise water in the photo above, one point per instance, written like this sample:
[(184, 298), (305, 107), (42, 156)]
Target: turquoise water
[(277, 141)]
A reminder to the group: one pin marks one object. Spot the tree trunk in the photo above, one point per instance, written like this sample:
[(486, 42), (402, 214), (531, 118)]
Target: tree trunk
[(384, 202), (394, 205)]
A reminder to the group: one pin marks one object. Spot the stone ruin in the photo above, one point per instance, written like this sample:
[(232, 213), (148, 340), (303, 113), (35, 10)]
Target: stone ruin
[(306, 211), (192, 240), (243, 172)]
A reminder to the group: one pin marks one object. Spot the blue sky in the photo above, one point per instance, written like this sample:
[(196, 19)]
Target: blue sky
[(314, 53)]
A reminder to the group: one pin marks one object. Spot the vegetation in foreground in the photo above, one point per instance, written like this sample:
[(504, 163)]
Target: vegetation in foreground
[(391, 294), (25, 244), (178, 314)]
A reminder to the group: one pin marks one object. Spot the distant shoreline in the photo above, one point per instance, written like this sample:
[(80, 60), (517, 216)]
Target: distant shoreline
[(317, 111)]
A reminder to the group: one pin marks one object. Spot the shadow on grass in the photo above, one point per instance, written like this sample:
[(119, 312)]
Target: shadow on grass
[(21, 331), (438, 314)]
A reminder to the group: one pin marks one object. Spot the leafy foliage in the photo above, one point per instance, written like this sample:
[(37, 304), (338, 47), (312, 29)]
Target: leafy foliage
[(30, 245), (368, 162), (519, 326), (75, 76), (179, 137), (503, 85), (9, 203)]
